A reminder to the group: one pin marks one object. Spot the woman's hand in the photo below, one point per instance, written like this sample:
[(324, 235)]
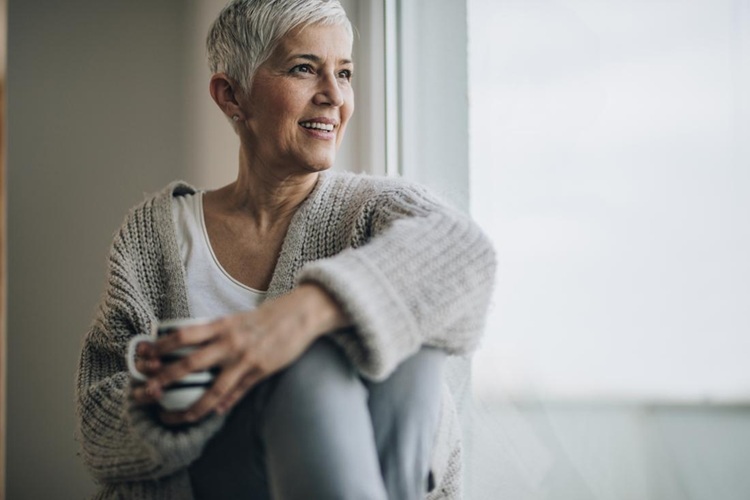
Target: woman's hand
[(147, 362), (246, 347)]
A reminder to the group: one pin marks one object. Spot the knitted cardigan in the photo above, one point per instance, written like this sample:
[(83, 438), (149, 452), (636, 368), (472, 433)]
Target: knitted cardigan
[(406, 270)]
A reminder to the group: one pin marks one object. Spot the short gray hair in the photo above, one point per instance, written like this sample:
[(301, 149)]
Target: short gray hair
[(247, 31)]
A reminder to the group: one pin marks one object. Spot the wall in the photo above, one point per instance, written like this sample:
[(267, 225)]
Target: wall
[(96, 118)]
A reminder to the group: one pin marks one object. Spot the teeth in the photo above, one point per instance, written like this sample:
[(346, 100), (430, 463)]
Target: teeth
[(320, 126)]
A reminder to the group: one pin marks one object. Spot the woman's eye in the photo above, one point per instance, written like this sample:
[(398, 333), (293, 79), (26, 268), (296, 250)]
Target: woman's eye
[(302, 68), (346, 74)]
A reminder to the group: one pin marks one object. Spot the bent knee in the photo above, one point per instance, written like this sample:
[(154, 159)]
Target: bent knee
[(323, 372)]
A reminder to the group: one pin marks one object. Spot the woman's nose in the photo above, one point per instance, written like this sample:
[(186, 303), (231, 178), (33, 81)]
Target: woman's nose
[(329, 93)]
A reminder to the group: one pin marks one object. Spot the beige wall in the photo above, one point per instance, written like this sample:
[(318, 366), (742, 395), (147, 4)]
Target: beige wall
[(107, 101), (96, 118)]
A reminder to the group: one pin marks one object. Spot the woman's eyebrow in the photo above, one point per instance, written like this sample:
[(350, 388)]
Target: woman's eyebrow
[(316, 59)]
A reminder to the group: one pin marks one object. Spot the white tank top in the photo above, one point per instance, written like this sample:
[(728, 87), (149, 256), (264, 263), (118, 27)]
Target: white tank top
[(211, 291)]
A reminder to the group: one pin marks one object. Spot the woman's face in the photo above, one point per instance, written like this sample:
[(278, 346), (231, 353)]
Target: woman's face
[(301, 100)]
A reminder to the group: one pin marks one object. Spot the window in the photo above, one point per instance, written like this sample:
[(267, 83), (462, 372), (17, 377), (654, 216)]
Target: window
[(607, 156), (609, 163)]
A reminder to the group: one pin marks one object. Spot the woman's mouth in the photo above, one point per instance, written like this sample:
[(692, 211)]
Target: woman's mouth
[(327, 127), (318, 129)]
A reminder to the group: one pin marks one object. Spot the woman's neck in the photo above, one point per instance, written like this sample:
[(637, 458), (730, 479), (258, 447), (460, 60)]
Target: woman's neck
[(265, 195)]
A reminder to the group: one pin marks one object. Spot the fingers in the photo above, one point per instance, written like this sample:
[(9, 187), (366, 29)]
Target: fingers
[(144, 349), (173, 417), (226, 391), (218, 348), (247, 347), (229, 382), (146, 360), (148, 364), (246, 383), (189, 336), (145, 355), (148, 367), (142, 397), (215, 354)]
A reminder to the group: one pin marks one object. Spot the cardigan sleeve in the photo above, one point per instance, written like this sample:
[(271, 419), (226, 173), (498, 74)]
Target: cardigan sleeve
[(423, 277), (119, 441)]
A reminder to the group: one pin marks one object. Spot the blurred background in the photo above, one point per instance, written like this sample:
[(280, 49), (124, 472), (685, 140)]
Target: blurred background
[(603, 146)]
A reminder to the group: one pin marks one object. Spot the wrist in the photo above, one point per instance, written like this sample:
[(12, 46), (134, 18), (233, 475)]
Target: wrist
[(325, 311)]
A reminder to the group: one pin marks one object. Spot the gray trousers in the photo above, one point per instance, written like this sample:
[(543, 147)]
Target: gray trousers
[(318, 431)]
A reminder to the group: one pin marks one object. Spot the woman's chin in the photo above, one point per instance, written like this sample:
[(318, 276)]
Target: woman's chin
[(319, 159), (319, 166)]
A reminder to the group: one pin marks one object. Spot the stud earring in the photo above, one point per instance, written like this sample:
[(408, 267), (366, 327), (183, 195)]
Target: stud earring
[(236, 118)]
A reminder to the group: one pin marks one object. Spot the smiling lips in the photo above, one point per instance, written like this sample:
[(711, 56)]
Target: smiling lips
[(320, 128), (326, 127)]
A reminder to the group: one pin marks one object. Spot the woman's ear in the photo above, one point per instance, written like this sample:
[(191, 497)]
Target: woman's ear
[(224, 91)]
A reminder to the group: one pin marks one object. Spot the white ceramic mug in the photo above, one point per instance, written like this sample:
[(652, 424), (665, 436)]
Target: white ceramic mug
[(182, 394)]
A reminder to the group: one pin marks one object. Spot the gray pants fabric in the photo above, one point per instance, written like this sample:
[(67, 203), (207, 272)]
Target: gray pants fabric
[(318, 431)]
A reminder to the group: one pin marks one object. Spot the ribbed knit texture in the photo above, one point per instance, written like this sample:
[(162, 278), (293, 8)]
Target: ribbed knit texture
[(406, 270)]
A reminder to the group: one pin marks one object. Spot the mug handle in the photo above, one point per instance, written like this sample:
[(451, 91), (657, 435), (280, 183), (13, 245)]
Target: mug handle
[(130, 357)]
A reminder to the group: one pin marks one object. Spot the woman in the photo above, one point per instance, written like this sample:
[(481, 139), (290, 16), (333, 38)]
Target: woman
[(337, 298)]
